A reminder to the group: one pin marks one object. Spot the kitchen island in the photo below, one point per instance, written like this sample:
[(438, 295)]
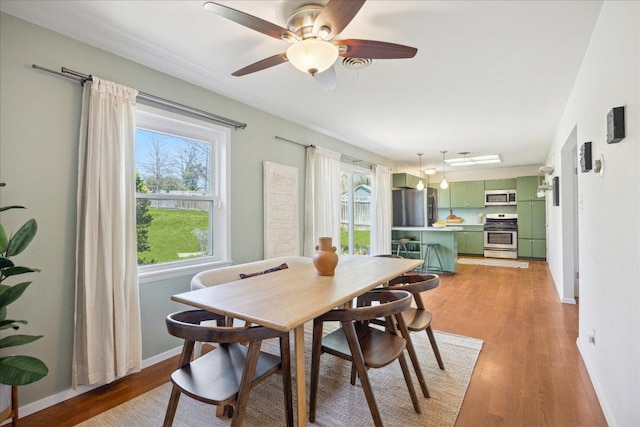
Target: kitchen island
[(414, 248)]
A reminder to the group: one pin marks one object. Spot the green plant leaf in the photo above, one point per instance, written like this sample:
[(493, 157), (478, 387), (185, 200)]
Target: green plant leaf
[(22, 238), (4, 241), (12, 293), (21, 370), (5, 262), (9, 323), (6, 208), (12, 271), (13, 340)]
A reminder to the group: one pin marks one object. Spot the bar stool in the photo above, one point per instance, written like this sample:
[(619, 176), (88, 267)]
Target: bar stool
[(427, 253), (402, 246)]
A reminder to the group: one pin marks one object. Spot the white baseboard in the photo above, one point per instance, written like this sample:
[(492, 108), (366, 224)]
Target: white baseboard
[(70, 393), (569, 301), (608, 415)]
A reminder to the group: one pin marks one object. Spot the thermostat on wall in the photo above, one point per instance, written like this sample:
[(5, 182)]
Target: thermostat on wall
[(615, 125)]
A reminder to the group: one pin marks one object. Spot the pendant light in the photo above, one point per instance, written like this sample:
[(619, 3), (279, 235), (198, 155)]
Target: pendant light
[(444, 184), (420, 185), (464, 157)]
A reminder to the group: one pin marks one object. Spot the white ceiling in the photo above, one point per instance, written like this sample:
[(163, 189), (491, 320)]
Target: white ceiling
[(490, 77)]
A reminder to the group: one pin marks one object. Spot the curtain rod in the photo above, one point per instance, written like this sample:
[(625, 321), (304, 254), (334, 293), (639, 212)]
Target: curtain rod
[(351, 159), (81, 77)]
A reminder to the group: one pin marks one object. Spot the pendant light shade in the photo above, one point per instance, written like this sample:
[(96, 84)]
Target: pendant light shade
[(420, 185), (312, 55), (444, 184)]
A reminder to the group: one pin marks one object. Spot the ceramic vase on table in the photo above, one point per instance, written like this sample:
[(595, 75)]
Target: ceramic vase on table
[(325, 257)]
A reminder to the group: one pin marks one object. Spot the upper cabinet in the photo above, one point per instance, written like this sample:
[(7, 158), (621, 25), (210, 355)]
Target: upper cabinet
[(467, 194), (443, 197), (500, 184), (527, 188), (405, 180)]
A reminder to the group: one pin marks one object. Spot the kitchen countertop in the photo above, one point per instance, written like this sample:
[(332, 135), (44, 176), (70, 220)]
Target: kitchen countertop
[(447, 228)]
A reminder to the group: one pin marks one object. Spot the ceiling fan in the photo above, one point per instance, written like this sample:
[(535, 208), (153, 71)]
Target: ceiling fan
[(311, 32)]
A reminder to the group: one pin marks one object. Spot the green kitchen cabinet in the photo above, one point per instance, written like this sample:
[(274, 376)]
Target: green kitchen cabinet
[(532, 248), (405, 180), (532, 229), (445, 237), (443, 197), (532, 220), (500, 184), (527, 188), (467, 194), (470, 242)]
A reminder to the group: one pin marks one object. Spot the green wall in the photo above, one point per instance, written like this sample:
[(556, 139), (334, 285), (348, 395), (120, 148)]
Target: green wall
[(39, 120)]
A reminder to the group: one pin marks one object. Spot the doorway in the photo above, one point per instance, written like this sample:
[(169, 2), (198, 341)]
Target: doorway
[(569, 205)]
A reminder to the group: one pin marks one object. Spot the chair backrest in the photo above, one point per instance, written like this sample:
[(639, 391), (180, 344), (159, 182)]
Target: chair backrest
[(186, 325), (415, 284), (388, 256), (391, 302)]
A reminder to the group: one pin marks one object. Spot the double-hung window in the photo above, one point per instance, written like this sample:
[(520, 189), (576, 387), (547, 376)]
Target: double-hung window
[(355, 210), (182, 183)]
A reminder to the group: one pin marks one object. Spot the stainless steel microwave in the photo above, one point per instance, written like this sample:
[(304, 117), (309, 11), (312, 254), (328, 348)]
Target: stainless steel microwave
[(500, 197)]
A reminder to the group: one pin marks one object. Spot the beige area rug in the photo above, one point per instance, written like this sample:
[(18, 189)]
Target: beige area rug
[(494, 262), (339, 403)]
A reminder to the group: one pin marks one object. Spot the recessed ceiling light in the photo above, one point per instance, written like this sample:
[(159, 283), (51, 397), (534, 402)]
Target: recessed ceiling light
[(478, 160)]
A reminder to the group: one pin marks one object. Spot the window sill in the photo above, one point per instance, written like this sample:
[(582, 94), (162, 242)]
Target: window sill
[(147, 274)]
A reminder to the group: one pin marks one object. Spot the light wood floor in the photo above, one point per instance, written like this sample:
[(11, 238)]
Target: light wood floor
[(529, 372)]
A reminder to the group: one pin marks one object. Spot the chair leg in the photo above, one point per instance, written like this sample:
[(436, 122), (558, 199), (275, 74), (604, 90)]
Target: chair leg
[(412, 355), (285, 357), (245, 383), (434, 345), (316, 352), (407, 378), (358, 361), (353, 373), (172, 406)]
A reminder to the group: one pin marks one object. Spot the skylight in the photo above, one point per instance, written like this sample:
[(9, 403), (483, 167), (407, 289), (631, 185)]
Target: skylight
[(478, 160)]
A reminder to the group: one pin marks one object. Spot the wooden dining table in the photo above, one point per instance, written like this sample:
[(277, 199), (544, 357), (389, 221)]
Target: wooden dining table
[(285, 300)]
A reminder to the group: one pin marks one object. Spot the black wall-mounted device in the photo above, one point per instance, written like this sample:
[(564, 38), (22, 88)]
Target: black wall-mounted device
[(556, 191), (585, 157), (615, 125)]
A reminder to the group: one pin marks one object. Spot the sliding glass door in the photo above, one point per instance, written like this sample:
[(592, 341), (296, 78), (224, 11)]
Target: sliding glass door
[(355, 210)]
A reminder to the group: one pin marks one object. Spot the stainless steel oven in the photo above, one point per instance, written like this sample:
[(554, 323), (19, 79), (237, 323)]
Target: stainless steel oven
[(501, 236)]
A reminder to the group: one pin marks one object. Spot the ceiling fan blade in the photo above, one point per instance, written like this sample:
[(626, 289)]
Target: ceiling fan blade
[(327, 79), (336, 15), (249, 21), (372, 49), (272, 61)]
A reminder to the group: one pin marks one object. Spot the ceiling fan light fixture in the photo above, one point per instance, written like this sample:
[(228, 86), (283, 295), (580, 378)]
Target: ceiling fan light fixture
[(312, 55), (323, 32)]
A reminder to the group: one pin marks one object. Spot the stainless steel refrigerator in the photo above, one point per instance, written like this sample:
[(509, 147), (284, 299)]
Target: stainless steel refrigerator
[(414, 208)]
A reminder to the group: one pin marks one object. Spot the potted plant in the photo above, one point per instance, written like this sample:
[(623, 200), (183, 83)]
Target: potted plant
[(15, 370)]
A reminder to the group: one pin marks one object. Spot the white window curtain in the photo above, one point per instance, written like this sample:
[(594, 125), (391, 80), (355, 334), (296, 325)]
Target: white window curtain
[(381, 211), (322, 198), (107, 336)]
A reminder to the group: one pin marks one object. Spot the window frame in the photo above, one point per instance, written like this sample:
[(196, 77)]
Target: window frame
[(185, 126)]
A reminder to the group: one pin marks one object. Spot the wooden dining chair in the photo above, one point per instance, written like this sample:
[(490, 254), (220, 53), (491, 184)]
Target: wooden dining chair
[(364, 345), (225, 375), (418, 318)]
